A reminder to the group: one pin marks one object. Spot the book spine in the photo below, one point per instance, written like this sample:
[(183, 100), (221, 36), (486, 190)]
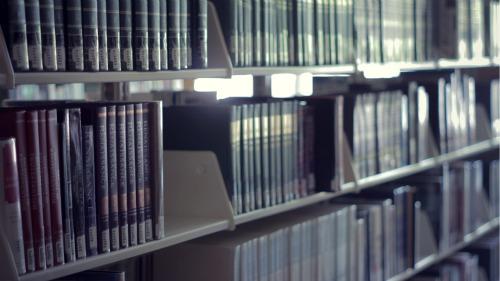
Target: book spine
[(34, 35), (60, 34), (67, 201), (183, 32), (76, 175), (17, 35), (90, 35), (146, 143), (102, 31), (44, 171), (125, 10), (112, 177), (117, 36), (10, 199), (235, 124), (101, 176), (55, 186), (257, 32), (265, 151), (199, 32), (189, 39), (174, 35), (47, 23), (121, 150), (156, 158), (35, 186), (140, 35), (74, 35), (131, 175), (154, 34), (163, 35), (139, 167), (89, 189)]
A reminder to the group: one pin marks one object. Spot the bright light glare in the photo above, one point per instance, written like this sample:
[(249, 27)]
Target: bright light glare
[(283, 85), (236, 86), (305, 84)]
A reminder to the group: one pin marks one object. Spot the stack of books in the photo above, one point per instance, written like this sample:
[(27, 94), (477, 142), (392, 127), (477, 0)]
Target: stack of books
[(80, 179), (57, 35)]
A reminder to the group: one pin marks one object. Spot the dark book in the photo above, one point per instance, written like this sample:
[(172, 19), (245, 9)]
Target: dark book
[(140, 35), (44, 172), (55, 186), (154, 34), (34, 35), (66, 192), (10, 203), (148, 172), (163, 35), (131, 175), (156, 162), (89, 189), (47, 23), (139, 167), (35, 187), (18, 44), (126, 50), (60, 34), (118, 33), (264, 154), (257, 32), (76, 168), (291, 24), (199, 33), (90, 35), (102, 31), (174, 34), (266, 32), (74, 35), (112, 177), (121, 158)]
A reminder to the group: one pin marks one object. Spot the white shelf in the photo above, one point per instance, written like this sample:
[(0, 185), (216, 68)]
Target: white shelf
[(330, 69), (433, 260), (424, 165), (178, 231), (465, 63)]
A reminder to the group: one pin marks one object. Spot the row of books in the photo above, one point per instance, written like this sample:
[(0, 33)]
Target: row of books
[(141, 35), (80, 179)]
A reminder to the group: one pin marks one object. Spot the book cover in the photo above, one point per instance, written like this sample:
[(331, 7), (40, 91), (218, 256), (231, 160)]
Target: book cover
[(163, 35), (89, 189), (10, 200), (139, 167), (44, 172), (34, 35), (154, 34), (17, 34), (121, 157), (148, 172), (60, 34), (126, 45), (112, 177), (55, 186), (118, 24), (131, 175), (140, 35), (74, 35), (102, 32), (90, 35), (199, 33), (47, 23)]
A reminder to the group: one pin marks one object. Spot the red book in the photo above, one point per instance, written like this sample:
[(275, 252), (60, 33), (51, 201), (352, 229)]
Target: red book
[(55, 186), (42, 126), (35, 187)]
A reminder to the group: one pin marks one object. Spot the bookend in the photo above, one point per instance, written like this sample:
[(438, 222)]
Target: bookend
[(425, 243), (218, 55), (348, 169), (8, 270), (483, 129), (195, 187), (6, 70)]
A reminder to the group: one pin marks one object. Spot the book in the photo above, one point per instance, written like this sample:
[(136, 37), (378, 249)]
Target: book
[(102, 31), (118, 24), (139, 167), (112, 179), (74, 35), (121, 157), (60, 34), (34, 35), (126, 45), (154, 34), (174, 34), (48, 32), (199, 33), (131, 175), (156, 160), (44, 172), (90, 35), (89, 189), (228, 15), (163, 35), (10, 199), (17, 34), (148, 172), (140, 35)]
